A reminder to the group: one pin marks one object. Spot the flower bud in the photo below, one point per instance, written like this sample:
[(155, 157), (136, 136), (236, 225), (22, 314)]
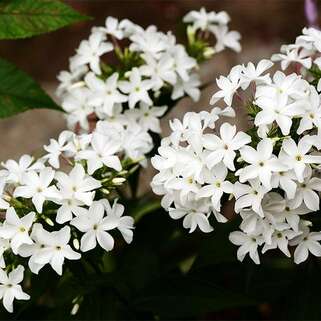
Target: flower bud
[(75, 309), (118, 180), (49, 221), (208, 52), (76, 244)]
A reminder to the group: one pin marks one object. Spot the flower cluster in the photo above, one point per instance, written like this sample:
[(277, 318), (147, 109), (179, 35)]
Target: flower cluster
[(304, 55), (48, 210), (271, 170), (152, 72)]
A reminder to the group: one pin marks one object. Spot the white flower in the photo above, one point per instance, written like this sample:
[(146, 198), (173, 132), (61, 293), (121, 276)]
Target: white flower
[(69, 79), (296, 155), (77, 107), (228, 85), (3, 203), (102, 153), (286, 181), (305, 192), (104, 94), (306, 242), (10, 288), (291, 214), (195, 215), (95, 226), (190, 87), (113, 27), (54, 247), (276, 108), (280, 239), (226, 38), (217, 185), (149, 41), (223, 149), (159, 71), (148, 116), (291, 55), (89, 52), (4, 245), (125, 224), (292, 86), (183, 63), (248, 244), (75, 190), (312, 115), (312, 36), (203, 20), (36, 186), (250, 73), (136, 88), (56, 148), (17, 229), (262, 163), (14, 171), (249, 196)]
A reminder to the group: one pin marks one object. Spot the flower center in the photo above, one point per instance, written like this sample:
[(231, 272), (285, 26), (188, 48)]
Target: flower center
[(261, 164), (137, 89), (218, 184), (22, 229), (95, 227), (298, 158), (279, 235), (58, 247)]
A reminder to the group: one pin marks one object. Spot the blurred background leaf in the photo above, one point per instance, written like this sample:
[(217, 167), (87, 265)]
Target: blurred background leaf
[(27, 18), (19, 92)]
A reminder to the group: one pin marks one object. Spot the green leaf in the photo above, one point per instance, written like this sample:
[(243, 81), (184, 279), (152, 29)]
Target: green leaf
[(19, 92), (27, 18)]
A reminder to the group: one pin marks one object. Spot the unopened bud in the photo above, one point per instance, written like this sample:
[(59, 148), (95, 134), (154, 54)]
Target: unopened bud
[(190, 34), (75, 242), (105, 191), (75, 309), (77, 85), (208, 52), (49, 221), (118, 180)]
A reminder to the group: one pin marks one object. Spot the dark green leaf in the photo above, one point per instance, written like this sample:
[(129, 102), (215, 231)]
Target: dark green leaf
[(27, 18), (19, 92)]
